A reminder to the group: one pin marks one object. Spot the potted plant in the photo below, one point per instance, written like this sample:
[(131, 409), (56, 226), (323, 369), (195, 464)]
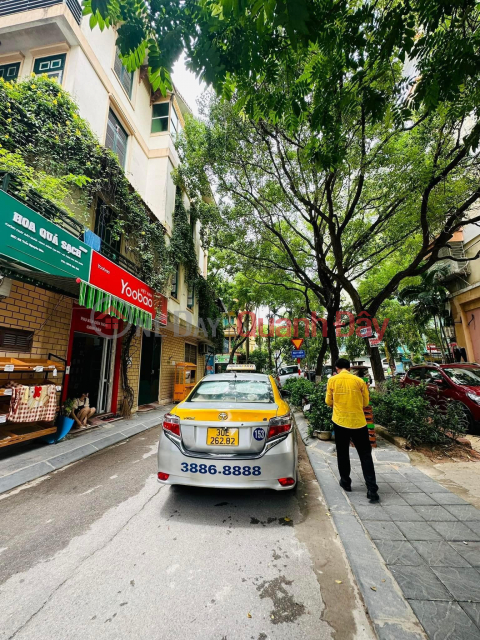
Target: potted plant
[(64, 423)]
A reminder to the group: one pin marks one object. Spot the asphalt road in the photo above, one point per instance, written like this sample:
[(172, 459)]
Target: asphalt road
[(100, 550)]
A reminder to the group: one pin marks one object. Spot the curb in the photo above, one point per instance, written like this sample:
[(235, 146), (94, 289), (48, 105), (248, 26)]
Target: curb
[(390, 613), (398, 441), (81, 450)]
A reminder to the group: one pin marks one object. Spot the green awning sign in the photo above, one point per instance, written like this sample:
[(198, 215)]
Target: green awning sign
[(28, 238)]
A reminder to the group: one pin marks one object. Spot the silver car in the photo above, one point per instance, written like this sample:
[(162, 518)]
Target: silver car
[(233, 431)]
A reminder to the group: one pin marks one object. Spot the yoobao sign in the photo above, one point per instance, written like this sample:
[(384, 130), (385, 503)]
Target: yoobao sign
[(112, 279), (28, 238)]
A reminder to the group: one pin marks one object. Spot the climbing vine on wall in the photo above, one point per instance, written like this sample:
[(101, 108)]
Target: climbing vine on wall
[(45, 143)]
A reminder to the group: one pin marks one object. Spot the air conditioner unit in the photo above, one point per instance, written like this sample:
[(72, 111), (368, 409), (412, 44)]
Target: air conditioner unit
[(203, 349)]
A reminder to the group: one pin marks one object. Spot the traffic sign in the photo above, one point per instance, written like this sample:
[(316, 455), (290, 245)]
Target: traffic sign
[(298, 353), (366, 332), (297, 342)]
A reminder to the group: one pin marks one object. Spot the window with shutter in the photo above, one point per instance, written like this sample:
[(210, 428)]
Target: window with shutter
[(190, 353), (15, 339), (116, 138), (10, 71), (190, 296), (175, 281), (125, 77), (104, 217), (52, 66)]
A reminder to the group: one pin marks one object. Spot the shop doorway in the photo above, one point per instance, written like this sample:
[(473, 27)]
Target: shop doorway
[(150, 369), (90, 369)]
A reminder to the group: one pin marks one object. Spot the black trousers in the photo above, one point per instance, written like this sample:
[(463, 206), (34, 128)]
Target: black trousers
[(362, 444)]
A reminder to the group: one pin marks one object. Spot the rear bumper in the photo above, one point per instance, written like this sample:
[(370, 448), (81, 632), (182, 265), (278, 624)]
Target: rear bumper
[(256, 473)]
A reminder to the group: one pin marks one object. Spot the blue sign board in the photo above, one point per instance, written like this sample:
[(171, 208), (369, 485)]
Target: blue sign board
[(298, 353)]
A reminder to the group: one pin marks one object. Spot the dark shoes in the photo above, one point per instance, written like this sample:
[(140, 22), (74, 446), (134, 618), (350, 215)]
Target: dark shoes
[(345, 486), (373, 496)]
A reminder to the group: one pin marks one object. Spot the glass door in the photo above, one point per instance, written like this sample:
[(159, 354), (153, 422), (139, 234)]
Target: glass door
[(105, 373)]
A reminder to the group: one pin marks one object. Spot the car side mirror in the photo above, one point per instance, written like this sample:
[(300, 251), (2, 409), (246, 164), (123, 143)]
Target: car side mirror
[(285, 393)]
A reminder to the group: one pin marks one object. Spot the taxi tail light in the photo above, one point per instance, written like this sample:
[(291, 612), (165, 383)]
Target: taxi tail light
[(164, 476), (286, 482), (171, 423), (279, 426)]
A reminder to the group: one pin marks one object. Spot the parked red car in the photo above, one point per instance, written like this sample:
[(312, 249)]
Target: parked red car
[(458, 382)]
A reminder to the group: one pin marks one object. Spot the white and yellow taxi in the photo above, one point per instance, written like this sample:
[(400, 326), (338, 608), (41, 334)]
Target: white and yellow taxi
[(233, 431)]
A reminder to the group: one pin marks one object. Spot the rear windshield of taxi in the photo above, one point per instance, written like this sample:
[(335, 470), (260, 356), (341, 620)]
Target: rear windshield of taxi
[(233, 391)]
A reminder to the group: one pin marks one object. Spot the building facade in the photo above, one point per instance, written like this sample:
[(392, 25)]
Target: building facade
[(51, 314), (463, 282)]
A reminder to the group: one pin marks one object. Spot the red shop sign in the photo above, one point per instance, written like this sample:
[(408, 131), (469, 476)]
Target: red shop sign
[(111, 278), (90, 321), (161, 304)]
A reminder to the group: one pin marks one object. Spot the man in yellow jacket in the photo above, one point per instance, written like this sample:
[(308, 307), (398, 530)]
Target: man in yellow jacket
[(348, 395)]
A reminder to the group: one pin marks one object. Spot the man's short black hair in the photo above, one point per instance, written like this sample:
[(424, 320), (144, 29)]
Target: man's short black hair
[(342, 363)]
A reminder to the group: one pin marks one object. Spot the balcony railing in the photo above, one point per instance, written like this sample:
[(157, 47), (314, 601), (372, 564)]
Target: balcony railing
[(54, 214), (18, 6)]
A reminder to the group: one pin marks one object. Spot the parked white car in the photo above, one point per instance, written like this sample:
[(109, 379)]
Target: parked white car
[(289, 371)]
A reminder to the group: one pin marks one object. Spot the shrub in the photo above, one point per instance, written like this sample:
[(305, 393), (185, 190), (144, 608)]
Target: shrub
[(408, 413), (320, 414), (298, 389)]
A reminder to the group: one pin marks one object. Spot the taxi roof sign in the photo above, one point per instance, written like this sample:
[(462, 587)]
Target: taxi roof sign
[(241, 367)]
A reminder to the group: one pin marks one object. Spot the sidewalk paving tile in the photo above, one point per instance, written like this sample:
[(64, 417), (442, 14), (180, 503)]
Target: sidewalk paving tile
[(398, 552), (412, 474), (454, 532), (439, 553), (448, 498), (470, 551), (393, 499), (419, 499), (431, 487), (391, 456), (418, 531), (403, 514), (419, 583), (405, 487), (389, 477), (462, 582), (464, 511), (372, 512), (434, 513), (383, 531), (474, 525), (473, 610), (444, 620)]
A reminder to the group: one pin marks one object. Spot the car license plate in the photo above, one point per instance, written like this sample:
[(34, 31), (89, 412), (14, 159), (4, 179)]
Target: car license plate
[(222, 437)]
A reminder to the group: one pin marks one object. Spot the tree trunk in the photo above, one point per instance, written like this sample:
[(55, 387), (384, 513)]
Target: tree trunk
[(332, 337), (376, 362), (321, 357), (234, 348), (269, 346), (439, 338)]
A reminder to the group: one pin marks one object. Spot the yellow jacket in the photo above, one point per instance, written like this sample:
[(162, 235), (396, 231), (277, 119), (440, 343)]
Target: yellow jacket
[(348, 395)]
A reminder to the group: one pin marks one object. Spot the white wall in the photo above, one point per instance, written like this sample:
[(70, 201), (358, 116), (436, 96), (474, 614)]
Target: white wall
[(86, 88)]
